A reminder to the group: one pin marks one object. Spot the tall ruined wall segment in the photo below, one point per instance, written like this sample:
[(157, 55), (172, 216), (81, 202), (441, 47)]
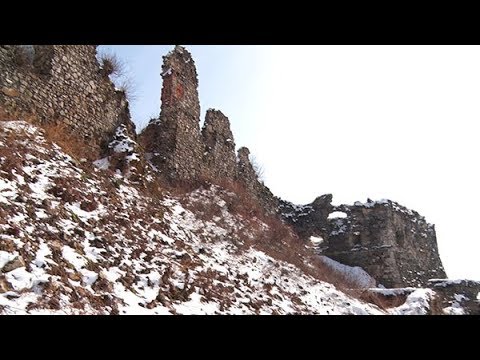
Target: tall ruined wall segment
[(219, 146), (247, 176), (174, 139), (62, 83)]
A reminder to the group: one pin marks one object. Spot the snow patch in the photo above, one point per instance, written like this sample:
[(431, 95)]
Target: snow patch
[(337, 215), (5, 258), (356, 274), (20, 279), (73, 257), (102, 164), (417, 303), (316, 240)]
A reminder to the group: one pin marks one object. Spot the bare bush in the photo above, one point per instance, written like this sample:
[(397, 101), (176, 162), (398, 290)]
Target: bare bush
[(119, 73), (129, 88), (111, 64), (257, 167)]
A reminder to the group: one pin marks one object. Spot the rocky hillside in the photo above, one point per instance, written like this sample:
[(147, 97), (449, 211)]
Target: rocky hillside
[(82, 239)]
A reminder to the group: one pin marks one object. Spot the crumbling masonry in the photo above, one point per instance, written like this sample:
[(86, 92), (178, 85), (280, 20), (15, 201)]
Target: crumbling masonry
[(67, 84), (62, 83), (178, 148)]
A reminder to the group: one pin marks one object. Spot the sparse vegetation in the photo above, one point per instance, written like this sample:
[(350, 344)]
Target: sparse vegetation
[(111, 64), (258, 168), (58, 133), (117, 69)]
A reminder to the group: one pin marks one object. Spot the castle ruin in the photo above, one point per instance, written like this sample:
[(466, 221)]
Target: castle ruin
[(66, 83), (177, 146)]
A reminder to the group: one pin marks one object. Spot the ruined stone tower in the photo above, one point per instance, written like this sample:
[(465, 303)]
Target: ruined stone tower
[(219, 153), (180, 151), (174, 139)]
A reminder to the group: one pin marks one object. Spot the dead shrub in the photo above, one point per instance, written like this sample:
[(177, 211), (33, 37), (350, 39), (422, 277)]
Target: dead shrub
[(9, 162), (114, 67), (13, 231), (111, 64), (128, 86), (436, 305), (64, 190)]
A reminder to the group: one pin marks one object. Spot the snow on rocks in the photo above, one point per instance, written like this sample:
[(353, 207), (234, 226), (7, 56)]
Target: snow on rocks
[(417, 303), (337, 215), (122, 143), (355, 275), (131, 254), (316, 240)]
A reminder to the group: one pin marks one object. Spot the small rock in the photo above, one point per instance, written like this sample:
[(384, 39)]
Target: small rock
[(10, 92), (74, 276), (47, 204), (20, 199), (88, 205), (16, 263), (4, 285)]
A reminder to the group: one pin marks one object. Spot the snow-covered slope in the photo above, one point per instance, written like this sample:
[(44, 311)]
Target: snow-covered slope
[(75, 239)]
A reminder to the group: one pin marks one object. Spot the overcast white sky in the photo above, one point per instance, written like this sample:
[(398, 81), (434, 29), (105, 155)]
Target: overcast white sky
[(396, 122)]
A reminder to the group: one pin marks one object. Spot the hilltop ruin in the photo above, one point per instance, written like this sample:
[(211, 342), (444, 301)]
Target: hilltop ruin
[(66, 83)]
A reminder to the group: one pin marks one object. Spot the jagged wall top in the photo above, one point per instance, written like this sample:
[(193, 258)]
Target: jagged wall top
[(392, 243), (180, 82), (219, 146), (179, 149)]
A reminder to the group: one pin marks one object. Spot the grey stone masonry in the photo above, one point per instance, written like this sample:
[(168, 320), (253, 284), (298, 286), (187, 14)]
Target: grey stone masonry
[(393, 244), (247, 176), (219, 147), (180, 151), (174, 140), (62, 83)]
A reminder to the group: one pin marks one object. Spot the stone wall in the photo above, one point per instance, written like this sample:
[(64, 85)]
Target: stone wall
[(454, 294), (247, 176), (177, 147), (62, 83), (174, 140), (219, 147), (392, 243)]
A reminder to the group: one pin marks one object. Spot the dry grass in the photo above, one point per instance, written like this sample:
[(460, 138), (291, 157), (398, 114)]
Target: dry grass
[(384, 302), (263, 231), (17, 115), (55, 131), (58, 133)]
